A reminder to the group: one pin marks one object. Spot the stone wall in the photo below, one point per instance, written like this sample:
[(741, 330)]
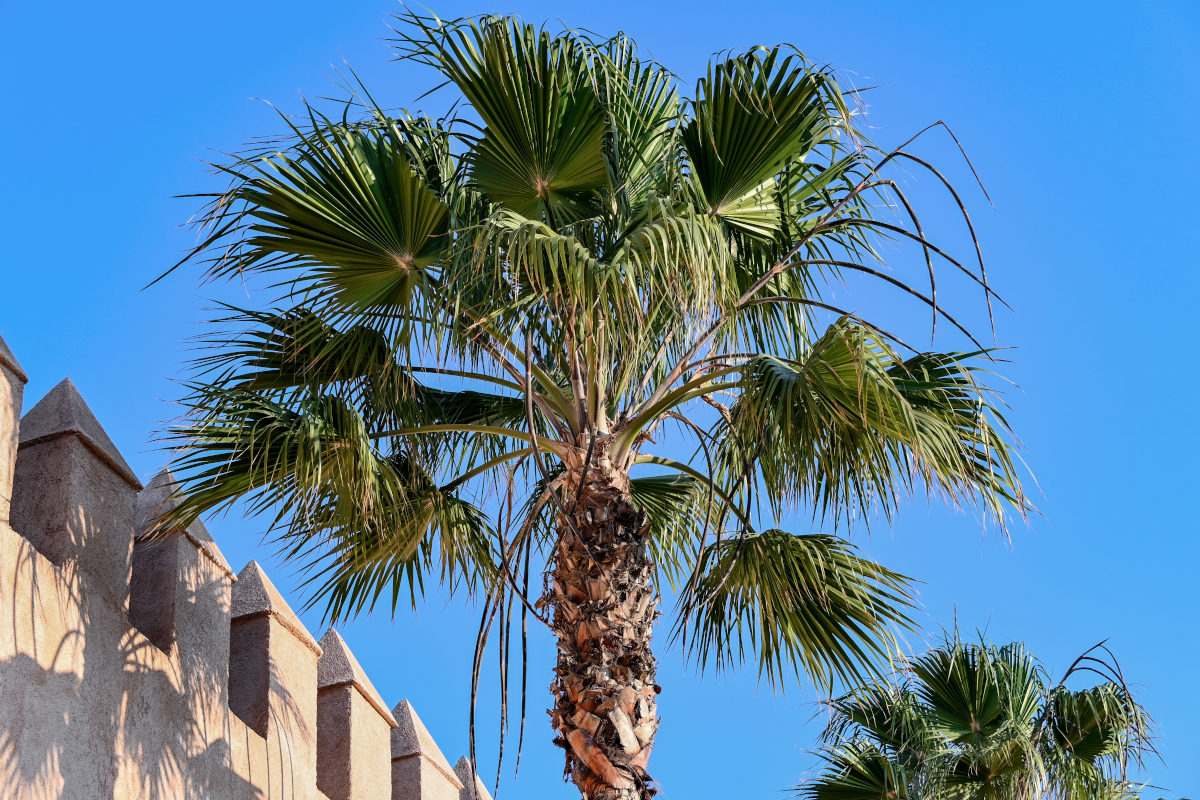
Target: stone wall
[(147, 670)]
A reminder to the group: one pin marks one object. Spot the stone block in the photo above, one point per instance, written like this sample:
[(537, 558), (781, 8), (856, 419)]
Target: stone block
[(353, 727), (273, 675), (136, 665), (473, 788), (419, 770), (12, 390), (180, 582), (73, 494)]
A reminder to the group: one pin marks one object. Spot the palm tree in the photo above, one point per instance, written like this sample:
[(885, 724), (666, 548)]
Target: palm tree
[(982, 722), (575, 329)]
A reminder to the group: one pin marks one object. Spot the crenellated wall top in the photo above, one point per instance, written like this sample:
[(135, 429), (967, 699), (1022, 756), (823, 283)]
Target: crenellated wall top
[(222, 667)]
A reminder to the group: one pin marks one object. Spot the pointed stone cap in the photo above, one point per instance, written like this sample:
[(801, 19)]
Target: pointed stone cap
[(254, 594), (9, 362), (465, 774), (411, 738), (62, 412), (157, 499), (337, 666)]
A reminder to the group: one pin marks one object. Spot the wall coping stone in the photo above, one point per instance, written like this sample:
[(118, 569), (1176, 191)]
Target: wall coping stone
[(338, 667), (466, 774), (157, 499), (7, 359), (255, 595), (410, 739), (63, 412)]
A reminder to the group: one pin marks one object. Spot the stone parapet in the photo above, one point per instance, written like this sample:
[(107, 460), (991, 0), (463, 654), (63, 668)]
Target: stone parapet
[(473, 788), (419, 770), (74, 496), (138, 665), (180, 583), (12, 390), (354, 727)]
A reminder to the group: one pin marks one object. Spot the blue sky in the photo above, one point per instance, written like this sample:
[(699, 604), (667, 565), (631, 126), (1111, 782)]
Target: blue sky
[(1081, 118)]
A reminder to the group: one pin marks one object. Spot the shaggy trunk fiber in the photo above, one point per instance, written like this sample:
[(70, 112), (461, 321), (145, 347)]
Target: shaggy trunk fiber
[(605, 710)]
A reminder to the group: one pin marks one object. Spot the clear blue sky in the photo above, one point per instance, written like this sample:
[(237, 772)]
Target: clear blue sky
[(1081, 117)]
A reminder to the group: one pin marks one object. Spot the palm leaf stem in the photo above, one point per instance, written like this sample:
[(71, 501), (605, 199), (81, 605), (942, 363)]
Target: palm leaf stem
[(692, 472), (491, 463), (699, 386), (779, 266), (494, 430)]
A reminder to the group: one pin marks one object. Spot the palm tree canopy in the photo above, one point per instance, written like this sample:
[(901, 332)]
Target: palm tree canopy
[(977, 721), (586, 264)]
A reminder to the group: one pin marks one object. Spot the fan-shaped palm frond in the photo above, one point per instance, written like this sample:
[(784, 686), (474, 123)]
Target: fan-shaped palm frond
[(804, 604), (847, 423), (541, 154), (344, 206), (859, 771), (756, 115)]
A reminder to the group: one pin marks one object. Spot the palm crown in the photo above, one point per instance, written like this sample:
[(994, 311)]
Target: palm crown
[(976, 721), (528, 301)]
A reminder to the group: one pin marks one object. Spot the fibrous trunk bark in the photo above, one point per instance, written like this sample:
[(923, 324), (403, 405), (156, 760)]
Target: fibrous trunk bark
[(605, 709)]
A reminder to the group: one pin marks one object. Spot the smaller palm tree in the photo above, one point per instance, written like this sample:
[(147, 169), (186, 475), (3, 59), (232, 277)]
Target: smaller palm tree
[(981, 722)]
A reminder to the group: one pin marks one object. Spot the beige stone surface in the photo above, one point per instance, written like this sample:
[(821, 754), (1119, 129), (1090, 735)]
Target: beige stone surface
[(140, 668), (73, 495), (9, 362), (338, 666), (157, 499), (419, 770), (12, 389), (63, 411), (257, 595), (353, 727), (473, 788), (273, 682)]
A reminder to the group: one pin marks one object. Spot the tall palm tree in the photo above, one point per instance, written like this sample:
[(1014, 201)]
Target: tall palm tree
[(981, 722), (575, 329)]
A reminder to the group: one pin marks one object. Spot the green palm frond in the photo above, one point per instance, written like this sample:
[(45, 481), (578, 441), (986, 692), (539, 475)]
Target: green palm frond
[(675, 507), (541, 153), (755, 115), (284, 355), (545, 262), (1092, 723), (356, 518), (794, 604), (642, 105), (421, 528), (994, 769), (294, 348), (858, 771), (344, 206), (1077, 780), (240, 442), (963, 688), (848, 425), (892, 716), (678, 256)]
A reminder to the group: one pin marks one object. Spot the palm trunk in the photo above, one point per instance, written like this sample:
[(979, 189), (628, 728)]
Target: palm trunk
[(605, 711)]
